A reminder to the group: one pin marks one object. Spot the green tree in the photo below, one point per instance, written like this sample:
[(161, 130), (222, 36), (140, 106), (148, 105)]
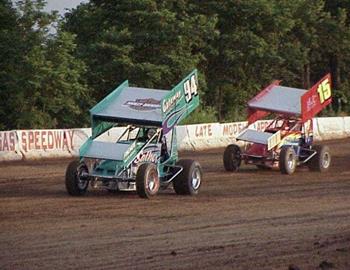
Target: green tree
[(10, 60), (259, 41), (336, 52), (42, 83), (248, 52), (151, 43), (61, 96), (49, 80)]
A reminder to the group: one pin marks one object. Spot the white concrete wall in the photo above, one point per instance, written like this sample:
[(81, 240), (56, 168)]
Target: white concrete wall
[(60, 143)]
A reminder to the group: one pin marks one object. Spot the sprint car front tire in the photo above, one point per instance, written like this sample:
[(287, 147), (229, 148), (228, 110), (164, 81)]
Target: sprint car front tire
[(189, 179), (147, 180), (75, 185), (322, 160), (287, 160), (232, 158)]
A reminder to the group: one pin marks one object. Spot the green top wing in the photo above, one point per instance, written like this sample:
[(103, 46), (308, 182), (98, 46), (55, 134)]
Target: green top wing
[(148, 107)]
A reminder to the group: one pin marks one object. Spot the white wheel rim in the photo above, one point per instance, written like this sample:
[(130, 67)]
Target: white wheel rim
[(290, 161), (326, 160), (81, 183), (152, 185), (196, 178)]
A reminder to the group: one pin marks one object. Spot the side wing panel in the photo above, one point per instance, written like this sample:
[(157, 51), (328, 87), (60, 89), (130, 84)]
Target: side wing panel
[(180, 102), (317, 98)]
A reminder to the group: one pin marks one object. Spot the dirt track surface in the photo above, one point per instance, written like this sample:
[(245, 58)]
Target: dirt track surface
[(246, 220)]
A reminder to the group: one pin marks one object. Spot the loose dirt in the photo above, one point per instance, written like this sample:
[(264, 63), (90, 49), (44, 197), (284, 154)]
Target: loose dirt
[(252, 219)]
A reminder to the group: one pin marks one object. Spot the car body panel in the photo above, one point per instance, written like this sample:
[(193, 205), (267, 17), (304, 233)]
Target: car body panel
[(293, 109), (140, 111)]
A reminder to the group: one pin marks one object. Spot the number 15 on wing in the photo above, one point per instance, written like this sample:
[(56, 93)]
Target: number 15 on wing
[(324, 90)]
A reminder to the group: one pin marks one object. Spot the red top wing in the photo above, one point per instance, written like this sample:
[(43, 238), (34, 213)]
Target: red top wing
[(299, 102), (317, 98)]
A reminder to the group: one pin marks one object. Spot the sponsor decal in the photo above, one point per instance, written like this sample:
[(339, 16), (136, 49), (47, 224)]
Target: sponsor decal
[(311, 102), (143, 104), (274, 140), (170, 102), (150, 154), (291, 139), (173, 118)]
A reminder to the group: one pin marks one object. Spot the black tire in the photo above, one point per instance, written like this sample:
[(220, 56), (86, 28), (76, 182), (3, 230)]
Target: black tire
[(287, 160), (75, 186), (232, 158), (147, 180), (322, 160), (189, 180)]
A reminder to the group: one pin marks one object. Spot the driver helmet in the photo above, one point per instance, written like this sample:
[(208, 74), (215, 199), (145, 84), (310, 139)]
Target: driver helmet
[(150, 133)]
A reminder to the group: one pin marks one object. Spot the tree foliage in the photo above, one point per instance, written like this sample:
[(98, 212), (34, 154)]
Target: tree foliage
[(42, 83), (50, 80), (152, 43)]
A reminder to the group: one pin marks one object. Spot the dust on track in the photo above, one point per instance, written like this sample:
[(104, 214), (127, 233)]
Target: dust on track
[(246, 220)]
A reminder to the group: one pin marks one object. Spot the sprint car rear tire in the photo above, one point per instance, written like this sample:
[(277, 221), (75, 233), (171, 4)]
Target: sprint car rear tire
[(76, 186), (147, 180), (232, 158), (287, 160), (322, 160), (189, 179)]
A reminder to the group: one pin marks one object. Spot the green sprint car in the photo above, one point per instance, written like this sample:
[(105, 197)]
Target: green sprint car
[(144, 157)]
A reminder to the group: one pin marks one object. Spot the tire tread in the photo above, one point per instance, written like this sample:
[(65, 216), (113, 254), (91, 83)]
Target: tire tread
[(230, 150), (71, 183), (181, 183)]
